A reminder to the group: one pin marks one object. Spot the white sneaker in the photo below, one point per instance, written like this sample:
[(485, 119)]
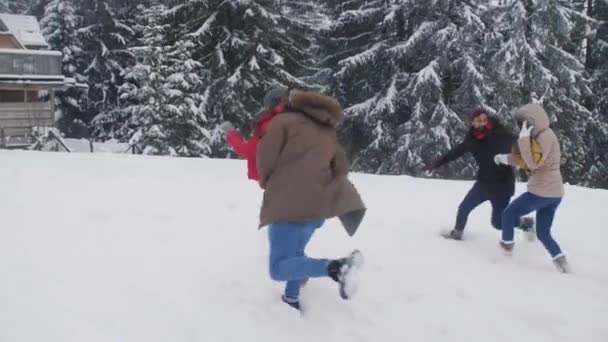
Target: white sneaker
[(349, 274), (530, 234), (528, 226)]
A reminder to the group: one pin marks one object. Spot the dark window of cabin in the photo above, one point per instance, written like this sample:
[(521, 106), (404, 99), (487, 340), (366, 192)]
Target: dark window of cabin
[(12, 96)]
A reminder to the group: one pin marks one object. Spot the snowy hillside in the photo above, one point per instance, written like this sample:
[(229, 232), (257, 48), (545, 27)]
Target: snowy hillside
[(108, 247)]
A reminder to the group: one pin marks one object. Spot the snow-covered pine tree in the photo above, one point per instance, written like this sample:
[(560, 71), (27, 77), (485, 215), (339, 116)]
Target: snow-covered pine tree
[(441, 61), (362, 76), (59, 26), (104, 40), (436, 80), (304, 21), (188, 135), (596, 139), (143, 106), (37, 8), (536, 62), (573, 86), (15, 6), (597, 65), (132, 14), (161, 97), (245, 48), (410, 72)]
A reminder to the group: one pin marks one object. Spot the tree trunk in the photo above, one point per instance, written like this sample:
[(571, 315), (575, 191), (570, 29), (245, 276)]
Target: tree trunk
[(589, 53), (527, 91)]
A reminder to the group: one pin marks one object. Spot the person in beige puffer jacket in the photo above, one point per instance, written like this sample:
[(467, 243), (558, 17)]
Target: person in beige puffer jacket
[(540, 151)]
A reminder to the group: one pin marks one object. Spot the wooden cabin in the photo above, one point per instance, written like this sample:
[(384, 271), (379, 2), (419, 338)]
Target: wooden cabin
[(29, 75)]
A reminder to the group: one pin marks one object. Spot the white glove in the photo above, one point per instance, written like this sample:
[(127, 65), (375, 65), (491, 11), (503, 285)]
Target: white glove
[(525, 130), (226, 126), (501, 159)]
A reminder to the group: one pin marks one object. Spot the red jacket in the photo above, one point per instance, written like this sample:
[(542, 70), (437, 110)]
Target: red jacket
[(246, 149)]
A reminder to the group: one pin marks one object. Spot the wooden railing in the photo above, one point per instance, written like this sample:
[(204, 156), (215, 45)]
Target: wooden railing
[(30, 62)]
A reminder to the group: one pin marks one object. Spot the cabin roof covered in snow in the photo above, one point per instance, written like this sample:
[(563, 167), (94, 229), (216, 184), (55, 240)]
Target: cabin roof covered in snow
[(24, 28)]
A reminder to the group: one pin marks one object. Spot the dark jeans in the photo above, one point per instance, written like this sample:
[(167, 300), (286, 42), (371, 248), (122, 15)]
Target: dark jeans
[(545, 208), (476, 196)]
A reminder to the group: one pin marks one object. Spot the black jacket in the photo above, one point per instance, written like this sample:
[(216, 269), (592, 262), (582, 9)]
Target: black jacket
[(494, 178)]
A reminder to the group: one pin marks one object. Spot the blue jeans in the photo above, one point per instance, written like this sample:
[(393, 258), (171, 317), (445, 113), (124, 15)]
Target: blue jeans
[(545, 208), (287, 259), (476, 196)]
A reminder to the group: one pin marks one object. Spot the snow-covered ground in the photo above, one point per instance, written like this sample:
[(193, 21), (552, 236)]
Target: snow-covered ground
[(102, 247)]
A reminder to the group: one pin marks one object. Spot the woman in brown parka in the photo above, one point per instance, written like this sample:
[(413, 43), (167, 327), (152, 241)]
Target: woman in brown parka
[(304, 173)]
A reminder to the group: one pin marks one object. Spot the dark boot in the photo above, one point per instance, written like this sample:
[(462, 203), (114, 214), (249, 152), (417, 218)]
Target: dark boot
[(507, 247), (333, 269), (453, 234), (293, 302)]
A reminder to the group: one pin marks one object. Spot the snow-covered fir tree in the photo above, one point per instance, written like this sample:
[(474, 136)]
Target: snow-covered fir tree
[(446, 82), (304, 21), (15, 6), (37, 8), (189, 137), (596, 169), (59, 26), (161, 99), (537, 62), (133, 14), (104, 42), (355, 42), (245, 49), (410, 71)]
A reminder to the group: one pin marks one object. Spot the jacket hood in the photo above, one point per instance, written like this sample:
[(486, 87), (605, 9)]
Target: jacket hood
[(325, 110), (535, 115)]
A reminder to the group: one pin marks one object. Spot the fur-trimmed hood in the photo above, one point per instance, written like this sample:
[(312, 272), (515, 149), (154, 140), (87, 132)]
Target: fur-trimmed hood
[(323, 109), (535, 115)]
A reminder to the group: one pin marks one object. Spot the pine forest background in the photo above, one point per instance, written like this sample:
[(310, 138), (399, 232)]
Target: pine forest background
[(165, 74)]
